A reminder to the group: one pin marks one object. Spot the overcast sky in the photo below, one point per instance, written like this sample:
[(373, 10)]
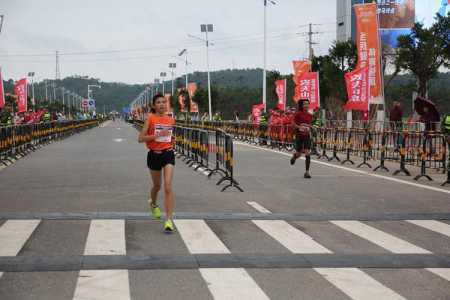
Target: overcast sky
[(133, 41)]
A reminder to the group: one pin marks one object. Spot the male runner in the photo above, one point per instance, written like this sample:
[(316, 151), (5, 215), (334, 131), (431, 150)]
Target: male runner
[(301, 122)]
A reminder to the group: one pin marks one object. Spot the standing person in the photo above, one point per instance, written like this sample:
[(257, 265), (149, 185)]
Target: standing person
[(302, 124), (396, 115), (157, 134)]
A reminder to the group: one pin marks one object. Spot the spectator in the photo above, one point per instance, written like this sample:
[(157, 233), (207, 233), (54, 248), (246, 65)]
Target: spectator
[(396, 115)]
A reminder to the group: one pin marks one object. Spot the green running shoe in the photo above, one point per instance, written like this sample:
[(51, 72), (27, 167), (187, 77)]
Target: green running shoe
[(156, 211), (168, 226)]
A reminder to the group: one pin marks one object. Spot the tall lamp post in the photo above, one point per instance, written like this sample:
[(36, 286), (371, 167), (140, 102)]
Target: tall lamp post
[(184, 52), (172, 66), (208, 28), (265, 54), (163, 75), (31, 74)]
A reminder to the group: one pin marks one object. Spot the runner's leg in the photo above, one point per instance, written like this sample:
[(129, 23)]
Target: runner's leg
[(169, 197), (156, 179)]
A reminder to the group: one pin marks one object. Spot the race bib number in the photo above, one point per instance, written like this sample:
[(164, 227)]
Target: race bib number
[(166, 138)]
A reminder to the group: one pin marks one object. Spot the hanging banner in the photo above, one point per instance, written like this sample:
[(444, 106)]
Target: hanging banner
[(193, 106), (2, 91), (280, 89), (181, 100), (168, 98), (368, 45), (300, 68), (308, 88), (20, 89), (257, 111), (357, 83)]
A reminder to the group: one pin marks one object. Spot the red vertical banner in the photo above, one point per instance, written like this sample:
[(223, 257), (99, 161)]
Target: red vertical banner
[(257, 111), (358, 89), (20, 89), (368, 45), (280, 89), (168, 98), (2, 91), (192, 88), (181, 100), (301, 67), (308, 88)]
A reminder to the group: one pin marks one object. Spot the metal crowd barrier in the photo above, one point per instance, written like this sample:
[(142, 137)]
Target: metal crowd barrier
[(19, 140), (373, 142), (205, 148)]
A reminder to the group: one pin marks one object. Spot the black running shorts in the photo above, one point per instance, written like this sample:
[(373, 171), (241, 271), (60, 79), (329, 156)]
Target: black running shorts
[(156, 160), (302, 144)]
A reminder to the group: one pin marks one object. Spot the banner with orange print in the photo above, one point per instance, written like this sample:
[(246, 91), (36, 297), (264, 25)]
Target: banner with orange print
[(192, 88), (368, 45), (181, 100), (301, 67), (168, 98)]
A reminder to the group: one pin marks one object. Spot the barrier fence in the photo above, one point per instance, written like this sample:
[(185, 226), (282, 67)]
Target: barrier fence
[(373, 142), (208, 150), (19, 140)]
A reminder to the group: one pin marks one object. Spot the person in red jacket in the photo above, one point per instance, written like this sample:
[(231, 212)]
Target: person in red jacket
[(302, 123)]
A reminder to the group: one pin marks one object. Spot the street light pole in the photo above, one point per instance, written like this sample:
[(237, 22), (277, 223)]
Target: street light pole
[(163, 75), (265, 55), (172, 66), (208, 28), (184, 51), (31, 74), (63, 92)]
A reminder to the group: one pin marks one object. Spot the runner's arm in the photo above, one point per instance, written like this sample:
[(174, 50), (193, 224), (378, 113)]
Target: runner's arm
[(143, 136)]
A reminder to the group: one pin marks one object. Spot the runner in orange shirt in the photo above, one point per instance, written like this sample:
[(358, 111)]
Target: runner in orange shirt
[(157, 134)]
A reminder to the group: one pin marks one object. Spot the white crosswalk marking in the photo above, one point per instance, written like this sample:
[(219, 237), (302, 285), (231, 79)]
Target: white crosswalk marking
[(357, 284), (259, 207), (102, 285), (199, 238), (380, 238), (232, 283), (442, 272), (14, 234), (290, 237), (439, 227), (106, 237)]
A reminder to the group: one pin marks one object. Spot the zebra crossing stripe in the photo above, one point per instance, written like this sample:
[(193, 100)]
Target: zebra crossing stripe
[(14, 234), (439, 227), (199, 238), (232, 283), (102, 285), (106, 237), (441, 272), (357, 285), (380, 238), (290, 237), (259, 207)]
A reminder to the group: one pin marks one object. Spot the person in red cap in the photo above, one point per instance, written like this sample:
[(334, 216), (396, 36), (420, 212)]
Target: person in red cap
[(302, 122)]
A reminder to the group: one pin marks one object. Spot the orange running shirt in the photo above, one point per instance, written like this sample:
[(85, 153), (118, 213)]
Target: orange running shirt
[(157, 123)]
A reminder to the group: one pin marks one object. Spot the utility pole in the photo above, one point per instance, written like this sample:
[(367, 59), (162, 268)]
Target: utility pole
[(310, 41)]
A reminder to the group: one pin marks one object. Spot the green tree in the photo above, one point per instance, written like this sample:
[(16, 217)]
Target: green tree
[(424, 51)]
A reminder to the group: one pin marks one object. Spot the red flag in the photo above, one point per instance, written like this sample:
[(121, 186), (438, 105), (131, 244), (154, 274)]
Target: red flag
[(257, 110), (280, 88), (20, 89), (2, 91), (192, 88), (308, 88), (369, 50), (358, 89)]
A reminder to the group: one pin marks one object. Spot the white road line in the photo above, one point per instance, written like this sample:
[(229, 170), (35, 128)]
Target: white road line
[(439, 227), (102, 285), (380, 238), (14, 234), (118, 140), (436, 189), (290, 237), (232, 283), (259, 207), (357, 285), (106, 237), (441, 272), (199, 238)]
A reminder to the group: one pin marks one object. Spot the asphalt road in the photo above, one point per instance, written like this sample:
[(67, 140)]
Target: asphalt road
[(74, 224)]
